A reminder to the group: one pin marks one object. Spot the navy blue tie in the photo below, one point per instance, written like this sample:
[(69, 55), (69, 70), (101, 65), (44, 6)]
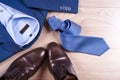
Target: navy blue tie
[(72, 41)]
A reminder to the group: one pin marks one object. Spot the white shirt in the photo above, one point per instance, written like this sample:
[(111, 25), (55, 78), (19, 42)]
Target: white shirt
[(15, 22)]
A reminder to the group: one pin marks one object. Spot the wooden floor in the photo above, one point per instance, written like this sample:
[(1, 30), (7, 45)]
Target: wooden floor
[(99, 18)]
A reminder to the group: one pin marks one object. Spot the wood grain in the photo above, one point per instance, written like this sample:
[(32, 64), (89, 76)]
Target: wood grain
[(99, 18)]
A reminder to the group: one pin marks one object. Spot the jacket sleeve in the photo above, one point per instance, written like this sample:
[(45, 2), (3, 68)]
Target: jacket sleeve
[(70, 6)]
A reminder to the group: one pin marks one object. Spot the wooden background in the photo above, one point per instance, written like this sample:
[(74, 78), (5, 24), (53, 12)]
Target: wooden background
[(99, 18)]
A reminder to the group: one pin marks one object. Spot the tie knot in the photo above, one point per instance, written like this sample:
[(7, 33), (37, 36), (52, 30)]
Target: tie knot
[(66, 26), (56, 24)]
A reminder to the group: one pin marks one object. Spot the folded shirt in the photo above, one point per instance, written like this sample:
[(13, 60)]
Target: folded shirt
[(21, 27), (21, 22)]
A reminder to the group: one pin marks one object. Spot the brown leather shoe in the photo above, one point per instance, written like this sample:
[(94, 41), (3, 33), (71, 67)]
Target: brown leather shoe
[(59, 64), (26, 65)]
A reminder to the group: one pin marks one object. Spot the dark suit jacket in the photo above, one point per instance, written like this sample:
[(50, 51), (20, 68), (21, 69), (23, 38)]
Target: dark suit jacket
[(37, 9)]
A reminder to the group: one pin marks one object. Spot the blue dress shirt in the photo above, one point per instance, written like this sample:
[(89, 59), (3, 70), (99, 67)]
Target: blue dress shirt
[(14, 21), (16, 31)]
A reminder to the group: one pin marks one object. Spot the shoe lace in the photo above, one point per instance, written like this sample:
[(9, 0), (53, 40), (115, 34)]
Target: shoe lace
[(14, 74)]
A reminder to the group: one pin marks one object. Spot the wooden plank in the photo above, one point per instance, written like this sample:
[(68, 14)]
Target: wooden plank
[(99, 18), (100, 3), (92, 16)]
